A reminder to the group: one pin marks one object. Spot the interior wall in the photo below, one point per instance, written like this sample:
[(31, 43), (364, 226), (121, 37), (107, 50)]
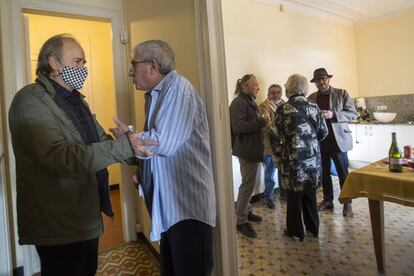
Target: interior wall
[(174, 22), (385, 55), (272, 44)]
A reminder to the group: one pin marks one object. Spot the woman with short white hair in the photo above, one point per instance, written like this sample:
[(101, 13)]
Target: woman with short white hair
[(299, 127)]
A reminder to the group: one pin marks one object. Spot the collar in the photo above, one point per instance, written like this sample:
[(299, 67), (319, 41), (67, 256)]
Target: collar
[(250, 97), (271, 103), (63, 92), (160, 85), (52, 87)]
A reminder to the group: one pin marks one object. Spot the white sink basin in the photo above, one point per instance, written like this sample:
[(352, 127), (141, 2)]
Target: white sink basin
[(384, 117)]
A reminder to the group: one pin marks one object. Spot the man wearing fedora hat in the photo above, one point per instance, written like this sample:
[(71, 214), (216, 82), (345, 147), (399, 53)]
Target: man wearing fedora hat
[(338, 109)]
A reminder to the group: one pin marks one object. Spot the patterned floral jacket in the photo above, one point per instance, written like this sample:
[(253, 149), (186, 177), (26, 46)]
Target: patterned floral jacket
[(295, 143)]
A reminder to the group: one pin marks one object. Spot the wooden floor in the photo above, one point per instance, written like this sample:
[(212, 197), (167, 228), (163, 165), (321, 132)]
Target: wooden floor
[(113, 233)]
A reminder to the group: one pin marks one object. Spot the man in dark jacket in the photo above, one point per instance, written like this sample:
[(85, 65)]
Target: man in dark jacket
[(247, 142), (61, 157), (338, 109)]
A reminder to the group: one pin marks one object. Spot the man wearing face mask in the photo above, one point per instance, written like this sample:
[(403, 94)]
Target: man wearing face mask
[(268, 107), (247, 144), (61, 157), (338, 109)]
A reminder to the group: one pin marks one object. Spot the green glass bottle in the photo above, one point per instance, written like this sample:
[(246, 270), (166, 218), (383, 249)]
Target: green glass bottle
[(395, 155)]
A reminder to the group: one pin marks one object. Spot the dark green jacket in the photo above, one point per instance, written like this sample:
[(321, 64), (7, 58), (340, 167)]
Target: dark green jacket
[(246, 129), (57, 193)]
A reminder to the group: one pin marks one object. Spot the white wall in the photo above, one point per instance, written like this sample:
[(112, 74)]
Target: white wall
[(273, 45), (385, 55)]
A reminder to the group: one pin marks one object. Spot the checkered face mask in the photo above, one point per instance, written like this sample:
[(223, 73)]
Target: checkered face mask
[(73, 76)]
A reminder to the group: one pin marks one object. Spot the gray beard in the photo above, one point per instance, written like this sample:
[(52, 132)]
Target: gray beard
[(325, 91)]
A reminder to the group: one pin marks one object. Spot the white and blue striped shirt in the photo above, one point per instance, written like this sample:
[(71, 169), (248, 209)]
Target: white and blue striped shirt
[(181, 165)]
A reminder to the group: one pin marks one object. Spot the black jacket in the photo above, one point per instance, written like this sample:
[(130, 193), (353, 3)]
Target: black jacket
[(246, 128)]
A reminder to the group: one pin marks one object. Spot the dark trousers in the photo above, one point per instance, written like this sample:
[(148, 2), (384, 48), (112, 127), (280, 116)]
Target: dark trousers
[(186, 249), (298, 204), (75, 259), (340, 160)]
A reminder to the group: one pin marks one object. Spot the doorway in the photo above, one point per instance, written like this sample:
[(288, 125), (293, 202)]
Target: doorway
[(95, 37)]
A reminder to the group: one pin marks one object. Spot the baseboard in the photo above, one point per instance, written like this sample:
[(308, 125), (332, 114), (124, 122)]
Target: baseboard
[(149, 245), (18, 271), (113, 187)]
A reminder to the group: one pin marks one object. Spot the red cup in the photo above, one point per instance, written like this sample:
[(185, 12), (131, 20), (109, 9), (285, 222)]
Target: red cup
[(408, 152)]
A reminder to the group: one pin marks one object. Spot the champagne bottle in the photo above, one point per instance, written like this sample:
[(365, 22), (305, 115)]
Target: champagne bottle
[(395, 155)]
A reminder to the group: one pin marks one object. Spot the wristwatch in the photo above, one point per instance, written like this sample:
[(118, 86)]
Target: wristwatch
[(131, 129)]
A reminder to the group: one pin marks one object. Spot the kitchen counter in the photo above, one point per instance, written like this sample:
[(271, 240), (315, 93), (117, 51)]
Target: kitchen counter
[(371, 141)]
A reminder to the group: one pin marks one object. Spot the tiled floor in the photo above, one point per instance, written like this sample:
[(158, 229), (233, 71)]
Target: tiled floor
[(117, 258), (344, 247), (132, 258)]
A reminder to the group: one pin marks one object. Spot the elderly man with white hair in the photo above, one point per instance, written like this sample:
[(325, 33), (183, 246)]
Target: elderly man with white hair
[(299, 127)]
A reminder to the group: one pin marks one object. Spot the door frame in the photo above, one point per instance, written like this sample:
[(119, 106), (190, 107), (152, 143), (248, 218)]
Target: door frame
[(13, 47), (5, 242), (213, 90), (212, 68)]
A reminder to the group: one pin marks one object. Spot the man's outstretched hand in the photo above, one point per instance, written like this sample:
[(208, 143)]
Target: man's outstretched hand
[(137, 143)]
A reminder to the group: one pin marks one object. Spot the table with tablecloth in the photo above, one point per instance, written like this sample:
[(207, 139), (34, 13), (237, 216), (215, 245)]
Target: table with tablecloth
[(378, 184)]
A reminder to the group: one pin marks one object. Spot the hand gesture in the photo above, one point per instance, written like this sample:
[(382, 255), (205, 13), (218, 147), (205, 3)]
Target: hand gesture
[(266, 117), (140, 146), (120, 129), (327, 114), (136, 180)]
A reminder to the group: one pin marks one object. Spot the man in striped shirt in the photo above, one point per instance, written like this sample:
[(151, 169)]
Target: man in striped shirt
[(178, 180)]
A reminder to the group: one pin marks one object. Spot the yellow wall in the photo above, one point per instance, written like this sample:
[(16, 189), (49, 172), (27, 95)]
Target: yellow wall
[(273, 45), (385, 55), (174, 22), (96, 40)]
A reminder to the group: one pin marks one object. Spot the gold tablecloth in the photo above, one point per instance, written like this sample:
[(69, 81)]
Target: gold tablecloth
[(376, 182)]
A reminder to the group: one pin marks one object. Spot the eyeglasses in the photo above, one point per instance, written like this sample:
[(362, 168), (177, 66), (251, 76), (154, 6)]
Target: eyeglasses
[(133, 63), (322, 79)]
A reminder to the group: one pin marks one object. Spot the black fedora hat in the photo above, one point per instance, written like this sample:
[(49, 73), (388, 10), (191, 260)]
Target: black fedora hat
[(319, 73)]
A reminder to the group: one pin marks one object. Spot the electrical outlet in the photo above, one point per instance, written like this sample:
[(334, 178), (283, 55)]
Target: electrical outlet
[(381, 107)]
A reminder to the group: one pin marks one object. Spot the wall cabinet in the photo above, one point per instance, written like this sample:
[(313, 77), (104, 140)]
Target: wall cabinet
[(371, 142)]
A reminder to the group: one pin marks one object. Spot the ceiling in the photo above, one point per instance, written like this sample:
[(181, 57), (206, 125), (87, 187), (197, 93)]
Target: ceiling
[(346, 11)]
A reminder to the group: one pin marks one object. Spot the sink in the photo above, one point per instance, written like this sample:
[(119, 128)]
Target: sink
[(384, 117)]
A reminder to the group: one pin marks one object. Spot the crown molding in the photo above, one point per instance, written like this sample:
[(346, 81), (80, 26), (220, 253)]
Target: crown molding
[(342, 12), (311, 10)]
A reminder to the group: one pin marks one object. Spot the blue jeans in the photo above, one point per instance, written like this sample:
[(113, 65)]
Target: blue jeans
[(269, 175)]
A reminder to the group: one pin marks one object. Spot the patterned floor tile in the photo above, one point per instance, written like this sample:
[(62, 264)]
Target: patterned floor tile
[(344, 246), (132, 258)]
